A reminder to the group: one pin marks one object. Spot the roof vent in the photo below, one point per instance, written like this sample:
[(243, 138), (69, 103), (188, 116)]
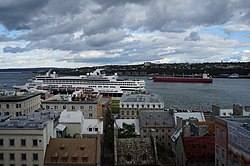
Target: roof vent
[(245, 124), (82, 147), (62, 146)]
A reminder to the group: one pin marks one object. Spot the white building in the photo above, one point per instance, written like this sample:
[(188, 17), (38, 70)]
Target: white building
[(132, 103), (76, 125)]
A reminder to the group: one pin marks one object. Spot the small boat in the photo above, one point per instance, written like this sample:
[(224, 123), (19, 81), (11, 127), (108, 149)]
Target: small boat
[(234, 76), (5, 85), (204, 79)]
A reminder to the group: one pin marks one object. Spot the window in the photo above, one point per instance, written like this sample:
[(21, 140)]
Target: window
[(7, 106), (1, 142), (133, 112), (73, 107), (12, 164), (223, 135), (122, 112), (1, 156), (217, 132), (127, 112), (223, 153), (129, 157), (144, 157), (35, 143), (12, 142), (23, 156), (81, 107), (24, 165), (90, 107), (64, 106), (35, 156), (55, 107), (47, 106), (90, 115), (23, 142), (12, 156), (90, 129), (96, 129)]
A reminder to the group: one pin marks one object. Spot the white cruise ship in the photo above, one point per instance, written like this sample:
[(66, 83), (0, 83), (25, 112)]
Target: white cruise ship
[(97, 80)]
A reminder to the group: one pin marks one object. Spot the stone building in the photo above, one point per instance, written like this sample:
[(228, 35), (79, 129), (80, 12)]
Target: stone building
[(132, 104), (89, 104), (135, 151), (160, 124), (73, 151), (23, 141), (17, 105)]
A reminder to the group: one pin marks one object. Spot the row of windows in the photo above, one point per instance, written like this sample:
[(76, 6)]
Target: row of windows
[(137, 106), (22, 142), (64, 107), (156, 130), (130, 112), (220, 135), (23, 156), (21, 165), (93, 129), (92, 83)]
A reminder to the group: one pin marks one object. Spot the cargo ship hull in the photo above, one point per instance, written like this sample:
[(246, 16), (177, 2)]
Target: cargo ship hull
[(183, 80)]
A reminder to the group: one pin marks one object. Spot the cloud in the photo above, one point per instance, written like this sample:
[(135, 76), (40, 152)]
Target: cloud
[(14, 49), (4, 38), (146, 30), (194, 36), (102, 39)]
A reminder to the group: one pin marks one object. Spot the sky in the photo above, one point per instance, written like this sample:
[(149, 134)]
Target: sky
[(82, 33)]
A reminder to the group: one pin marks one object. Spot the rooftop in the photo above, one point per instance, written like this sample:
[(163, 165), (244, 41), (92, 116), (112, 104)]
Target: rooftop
[(240, 121), (71, 117), (73, 150), (156, 118), (65, 99), (187, 115), (145, 97), (15, 98), (34, 120)]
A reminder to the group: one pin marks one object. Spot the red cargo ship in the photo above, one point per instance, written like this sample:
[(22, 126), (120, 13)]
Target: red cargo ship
[(204, 79)]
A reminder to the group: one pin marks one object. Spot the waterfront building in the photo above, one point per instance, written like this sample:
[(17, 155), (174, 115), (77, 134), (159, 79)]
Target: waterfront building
[(18, 105), (159, 124), (90, 104), (232, 140), (131, 104), (23, 140), (73, 151)]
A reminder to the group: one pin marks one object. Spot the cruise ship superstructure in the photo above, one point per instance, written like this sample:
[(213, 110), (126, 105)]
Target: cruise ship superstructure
[(97, 80)]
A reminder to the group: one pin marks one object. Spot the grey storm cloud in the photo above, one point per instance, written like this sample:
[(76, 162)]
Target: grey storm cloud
[(4, 38), (14, 49), (194, 36), (82, 25)]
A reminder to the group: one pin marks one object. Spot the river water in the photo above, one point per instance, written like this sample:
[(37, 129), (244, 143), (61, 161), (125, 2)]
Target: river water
[(222, 92)]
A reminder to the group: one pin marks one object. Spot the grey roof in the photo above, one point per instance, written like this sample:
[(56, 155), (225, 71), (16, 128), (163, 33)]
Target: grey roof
[(156, 118), (141, 97), (238, 121), (34, 120), (15, 98)]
